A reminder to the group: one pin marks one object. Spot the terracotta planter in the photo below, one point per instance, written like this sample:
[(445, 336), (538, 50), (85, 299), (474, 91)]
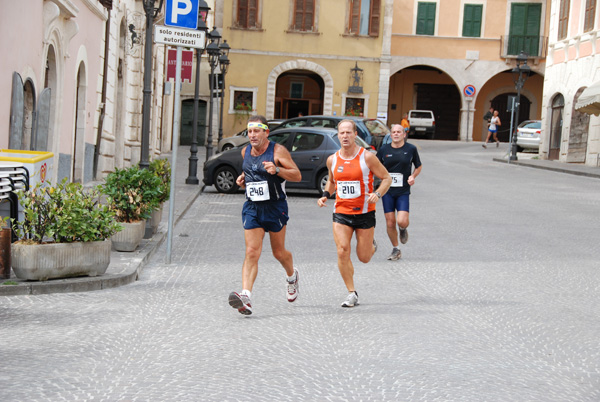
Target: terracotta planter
[(153, 222), (40, 262), (130, 237)]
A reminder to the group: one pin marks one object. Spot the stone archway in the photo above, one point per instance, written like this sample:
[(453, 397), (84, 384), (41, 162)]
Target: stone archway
[(299, 65)]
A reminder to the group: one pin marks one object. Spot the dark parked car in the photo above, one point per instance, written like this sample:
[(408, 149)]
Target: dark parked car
[(370, 130), (308, 146), (241, 138)]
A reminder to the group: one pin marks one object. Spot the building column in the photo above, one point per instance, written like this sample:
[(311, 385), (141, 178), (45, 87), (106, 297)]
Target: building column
[(467, 114)]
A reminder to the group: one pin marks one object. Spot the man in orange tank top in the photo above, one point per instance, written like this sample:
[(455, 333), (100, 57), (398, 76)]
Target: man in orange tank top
[(351, 171)]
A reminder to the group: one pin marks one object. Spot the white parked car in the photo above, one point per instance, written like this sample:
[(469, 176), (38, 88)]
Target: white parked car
[(529, 135), (422, 123)]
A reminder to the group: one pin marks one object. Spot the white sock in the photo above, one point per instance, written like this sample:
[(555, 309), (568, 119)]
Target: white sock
[(247, 293), (292, 278)]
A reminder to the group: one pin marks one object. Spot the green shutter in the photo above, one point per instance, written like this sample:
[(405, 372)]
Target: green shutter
[(426, 18), (472, 20), (525, 28)]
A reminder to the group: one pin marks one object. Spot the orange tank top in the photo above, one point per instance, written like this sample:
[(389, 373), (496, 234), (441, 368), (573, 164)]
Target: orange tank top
[(353, 182)]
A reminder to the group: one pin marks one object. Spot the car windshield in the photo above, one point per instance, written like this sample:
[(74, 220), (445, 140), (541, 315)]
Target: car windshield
[(535, 125), (376, 128), (420, 115)]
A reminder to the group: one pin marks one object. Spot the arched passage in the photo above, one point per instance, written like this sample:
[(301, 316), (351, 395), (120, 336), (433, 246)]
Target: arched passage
[(307, 68), (298, 92), (426, 88)]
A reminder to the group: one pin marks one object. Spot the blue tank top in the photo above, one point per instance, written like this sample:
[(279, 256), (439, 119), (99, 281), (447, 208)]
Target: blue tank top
[(254, 172)]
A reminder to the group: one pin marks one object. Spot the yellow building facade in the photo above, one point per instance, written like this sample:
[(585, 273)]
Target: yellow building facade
[(381, 58), (291, 57)]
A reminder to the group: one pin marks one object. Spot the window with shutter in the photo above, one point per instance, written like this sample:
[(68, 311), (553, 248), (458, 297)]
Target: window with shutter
[(563, 19), (590, 12), (375, 17), (472, 20), (425, 18), (364, 17), (524, 34), (247, 11), (304, 15)]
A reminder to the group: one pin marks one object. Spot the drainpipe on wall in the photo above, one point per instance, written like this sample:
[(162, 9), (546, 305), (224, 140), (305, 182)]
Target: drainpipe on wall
[(103, 96)]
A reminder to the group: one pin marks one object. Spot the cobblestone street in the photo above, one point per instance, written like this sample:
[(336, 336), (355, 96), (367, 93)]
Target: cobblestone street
[(495, 299)]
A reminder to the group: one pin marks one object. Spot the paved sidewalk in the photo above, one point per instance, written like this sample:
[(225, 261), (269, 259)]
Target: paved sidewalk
[(126, 267)]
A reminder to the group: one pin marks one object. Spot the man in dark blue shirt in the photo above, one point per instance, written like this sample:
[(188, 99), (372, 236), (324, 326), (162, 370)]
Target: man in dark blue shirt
[(266, 167), (399, 157)]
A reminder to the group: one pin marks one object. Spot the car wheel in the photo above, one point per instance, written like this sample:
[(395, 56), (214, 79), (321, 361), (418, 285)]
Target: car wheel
[(225, 180), (226, 147), (322, 181), (520, 149)]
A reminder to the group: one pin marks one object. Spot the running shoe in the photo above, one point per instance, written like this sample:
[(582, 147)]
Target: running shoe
[(351, 300), (396, 254), (374, 246), (497, 144), (292, 288), (403, 235), (483, 145), (241, 302)]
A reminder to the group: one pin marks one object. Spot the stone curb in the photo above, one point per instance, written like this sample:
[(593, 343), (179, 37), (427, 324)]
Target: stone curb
[(574, 170)]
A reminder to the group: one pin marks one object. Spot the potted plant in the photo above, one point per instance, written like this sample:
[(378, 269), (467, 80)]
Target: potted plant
[(65, 232), (162, 169), (132, 194)]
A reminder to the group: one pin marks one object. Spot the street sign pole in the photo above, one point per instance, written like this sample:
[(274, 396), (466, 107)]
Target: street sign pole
[(178, 14), (175, 144)]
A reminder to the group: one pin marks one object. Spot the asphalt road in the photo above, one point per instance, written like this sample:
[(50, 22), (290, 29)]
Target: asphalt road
[(496, 298)]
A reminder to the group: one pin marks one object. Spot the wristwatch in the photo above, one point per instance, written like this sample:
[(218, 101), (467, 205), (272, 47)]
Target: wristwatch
[(377, 194), (277, 169)]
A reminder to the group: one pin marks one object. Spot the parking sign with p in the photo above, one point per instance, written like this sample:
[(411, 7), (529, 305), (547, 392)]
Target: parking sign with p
[(182, 13)]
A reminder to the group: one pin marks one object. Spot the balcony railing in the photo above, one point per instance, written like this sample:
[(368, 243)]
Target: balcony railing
[(534, 46)]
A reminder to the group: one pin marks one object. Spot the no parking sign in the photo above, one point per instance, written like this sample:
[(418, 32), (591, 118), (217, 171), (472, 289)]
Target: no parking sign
[(469, 90)]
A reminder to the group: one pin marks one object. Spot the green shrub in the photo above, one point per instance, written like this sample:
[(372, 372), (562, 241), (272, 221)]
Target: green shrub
[(162, 169), (132, 193), (65, 213)]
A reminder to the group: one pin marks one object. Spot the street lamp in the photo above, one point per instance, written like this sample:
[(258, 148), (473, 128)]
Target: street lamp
[(520, 73), (213, 58), (223, 64), (151, 14), (192, 178)]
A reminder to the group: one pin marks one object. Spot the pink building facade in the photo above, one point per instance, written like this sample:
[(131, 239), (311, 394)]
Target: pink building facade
[(572, 65)]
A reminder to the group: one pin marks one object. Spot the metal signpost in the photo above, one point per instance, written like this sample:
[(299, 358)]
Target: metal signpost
[(469, 92), (179, 14)]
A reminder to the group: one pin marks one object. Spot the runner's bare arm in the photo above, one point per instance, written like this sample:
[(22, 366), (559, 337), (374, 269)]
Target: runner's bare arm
[(241, 180), (287, 167), (413, 176)]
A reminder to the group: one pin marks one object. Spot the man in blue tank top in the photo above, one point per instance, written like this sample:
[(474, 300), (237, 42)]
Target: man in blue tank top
[(266, 168)]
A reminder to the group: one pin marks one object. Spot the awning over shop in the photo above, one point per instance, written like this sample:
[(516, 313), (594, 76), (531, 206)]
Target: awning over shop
[(589, 100)]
